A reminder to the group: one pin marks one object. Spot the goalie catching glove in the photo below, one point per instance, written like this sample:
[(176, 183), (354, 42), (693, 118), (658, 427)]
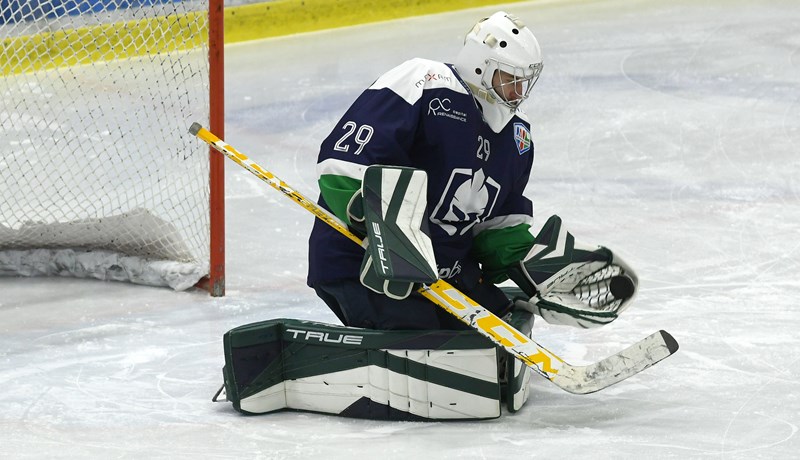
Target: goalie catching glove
[(572, 283), (391, 207)]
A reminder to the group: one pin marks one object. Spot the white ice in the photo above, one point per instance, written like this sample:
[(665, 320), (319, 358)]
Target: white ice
[(668, 131)]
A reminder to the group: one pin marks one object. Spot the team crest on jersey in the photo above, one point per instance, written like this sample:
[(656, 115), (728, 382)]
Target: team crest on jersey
[(469, 198), (523, 138)]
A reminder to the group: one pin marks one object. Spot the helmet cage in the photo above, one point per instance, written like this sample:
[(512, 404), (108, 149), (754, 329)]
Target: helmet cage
[(519, 79)]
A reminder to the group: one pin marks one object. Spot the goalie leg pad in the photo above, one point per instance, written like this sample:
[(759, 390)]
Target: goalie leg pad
[(388, 375)]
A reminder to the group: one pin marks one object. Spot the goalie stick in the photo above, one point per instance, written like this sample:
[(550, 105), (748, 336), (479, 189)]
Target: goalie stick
[(574, 379)]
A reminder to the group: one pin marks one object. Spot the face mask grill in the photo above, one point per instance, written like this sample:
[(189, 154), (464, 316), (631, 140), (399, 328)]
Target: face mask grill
[(511, 84)]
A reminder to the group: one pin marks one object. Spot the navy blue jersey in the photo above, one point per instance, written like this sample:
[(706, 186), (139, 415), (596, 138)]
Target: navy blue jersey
[(421, 115)]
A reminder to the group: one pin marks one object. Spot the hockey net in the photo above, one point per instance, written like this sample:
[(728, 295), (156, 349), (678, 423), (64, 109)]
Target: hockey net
[(98, 175)]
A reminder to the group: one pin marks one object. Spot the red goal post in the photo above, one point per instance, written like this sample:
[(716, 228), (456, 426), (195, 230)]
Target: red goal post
[(98, 176), (216, 58)]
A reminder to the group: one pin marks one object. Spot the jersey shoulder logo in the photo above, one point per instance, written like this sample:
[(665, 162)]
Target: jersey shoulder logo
[(442, 107), (522, 136)]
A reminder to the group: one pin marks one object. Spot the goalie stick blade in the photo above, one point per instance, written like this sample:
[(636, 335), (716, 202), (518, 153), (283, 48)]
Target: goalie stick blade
[(617, 367)]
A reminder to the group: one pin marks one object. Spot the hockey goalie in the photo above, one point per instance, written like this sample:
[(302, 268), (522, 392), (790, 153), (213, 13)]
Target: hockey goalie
[(428, 166)]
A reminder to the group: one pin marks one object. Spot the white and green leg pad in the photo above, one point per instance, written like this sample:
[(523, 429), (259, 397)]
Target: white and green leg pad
[(388, 375)]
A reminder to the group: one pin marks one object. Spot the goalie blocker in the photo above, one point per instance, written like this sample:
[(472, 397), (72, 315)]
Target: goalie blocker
[(286, 364)]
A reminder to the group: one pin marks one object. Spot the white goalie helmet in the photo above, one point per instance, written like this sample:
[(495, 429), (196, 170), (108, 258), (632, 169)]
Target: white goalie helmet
[(500, 45)]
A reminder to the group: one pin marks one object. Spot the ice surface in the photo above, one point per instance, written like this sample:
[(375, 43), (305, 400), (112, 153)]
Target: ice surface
[(668, 131)]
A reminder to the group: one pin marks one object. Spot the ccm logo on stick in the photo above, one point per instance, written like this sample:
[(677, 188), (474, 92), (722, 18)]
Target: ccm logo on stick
[(326, 337)]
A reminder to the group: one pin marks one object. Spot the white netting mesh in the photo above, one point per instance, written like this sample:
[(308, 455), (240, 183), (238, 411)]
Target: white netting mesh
[(97, 97)]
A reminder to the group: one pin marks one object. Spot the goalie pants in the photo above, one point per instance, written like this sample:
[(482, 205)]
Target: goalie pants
[(357, 306)]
